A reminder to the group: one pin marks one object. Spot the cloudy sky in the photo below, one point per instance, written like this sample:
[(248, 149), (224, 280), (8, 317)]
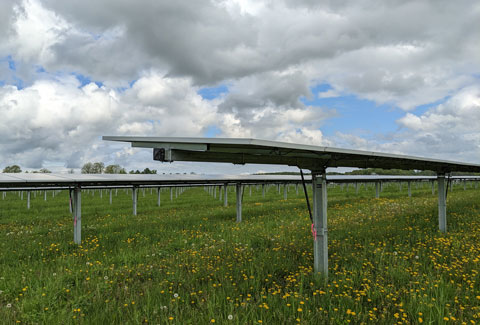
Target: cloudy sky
[(393, 76)]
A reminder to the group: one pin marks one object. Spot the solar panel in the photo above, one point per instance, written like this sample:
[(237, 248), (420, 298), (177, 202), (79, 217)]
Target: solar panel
[(242, 151)]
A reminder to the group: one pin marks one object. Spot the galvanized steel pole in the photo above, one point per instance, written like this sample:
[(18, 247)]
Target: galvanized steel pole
[(134, 198), (225, 195), (77, 217), (319, 227), (239, 202), (442, 203)]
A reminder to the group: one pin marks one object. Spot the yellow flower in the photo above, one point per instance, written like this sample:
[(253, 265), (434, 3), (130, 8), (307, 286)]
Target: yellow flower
[(420, 320)]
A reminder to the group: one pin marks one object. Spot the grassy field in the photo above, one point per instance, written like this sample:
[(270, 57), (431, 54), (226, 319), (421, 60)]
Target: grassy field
[(189, 262)]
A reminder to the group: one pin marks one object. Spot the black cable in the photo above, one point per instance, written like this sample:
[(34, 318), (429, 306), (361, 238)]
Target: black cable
[(71, 201), (448, 183), (306, 196)]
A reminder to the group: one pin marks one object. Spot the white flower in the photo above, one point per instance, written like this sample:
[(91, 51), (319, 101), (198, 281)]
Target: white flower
[(230, 317), (175, 295), (9, 305), (395, 253), (105, 277), (416, 257), (54, 274)]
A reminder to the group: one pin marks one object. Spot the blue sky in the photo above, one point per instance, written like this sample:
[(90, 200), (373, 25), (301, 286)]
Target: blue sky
[(262, 71)]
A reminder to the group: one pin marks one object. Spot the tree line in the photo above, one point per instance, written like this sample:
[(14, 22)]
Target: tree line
[(99, 168), (17, 169), (88, 168)]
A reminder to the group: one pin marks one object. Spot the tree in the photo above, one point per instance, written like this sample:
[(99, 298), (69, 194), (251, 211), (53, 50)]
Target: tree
[(87, 168), (149, 171), (114, 169), (12, 169), (93, 168), (44, 171)]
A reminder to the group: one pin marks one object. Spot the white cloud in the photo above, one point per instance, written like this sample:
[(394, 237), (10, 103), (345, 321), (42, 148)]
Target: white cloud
[(270, 53), (35, 31), (57, 120), (448, 131)]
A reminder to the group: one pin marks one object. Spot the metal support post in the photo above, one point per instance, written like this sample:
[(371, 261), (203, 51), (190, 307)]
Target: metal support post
[(319, 227), (285, 191), (171, 194), (225, 195), (158, 196), (409, 189), (239, 202), (28, 199), (77, 215), (442, 203), (377, 190), (263, 190), (134, 199)]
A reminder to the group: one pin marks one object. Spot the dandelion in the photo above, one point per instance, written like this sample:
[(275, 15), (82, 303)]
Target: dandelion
[(230, 317), (420, 320), (54, 274), (395, 253), (170, 318), (416, 257), (9, 305), (175, 295), (212, 320), (105, 277)]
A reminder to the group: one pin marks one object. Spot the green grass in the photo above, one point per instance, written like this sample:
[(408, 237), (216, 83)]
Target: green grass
[(189, 262)]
